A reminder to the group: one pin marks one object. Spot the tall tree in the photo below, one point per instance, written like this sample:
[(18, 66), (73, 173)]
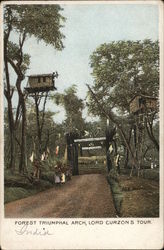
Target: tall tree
[(50, 133), (44, 23), (122, 70), (73, 106)]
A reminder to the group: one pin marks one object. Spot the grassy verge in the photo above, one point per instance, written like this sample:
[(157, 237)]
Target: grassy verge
[(152, 174), (117, 193), (18, 186), (135, 197)]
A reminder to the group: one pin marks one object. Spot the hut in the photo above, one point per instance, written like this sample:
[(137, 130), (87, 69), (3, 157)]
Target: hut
[(41, 82), (142, 103)]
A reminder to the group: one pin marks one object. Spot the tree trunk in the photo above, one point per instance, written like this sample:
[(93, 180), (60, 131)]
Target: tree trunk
[(110, 116), (39, 150), (8, 95), (127, 151), (126, 158), (47, 140), (151, 135), (12, 136), (40, 122), (22, 162)]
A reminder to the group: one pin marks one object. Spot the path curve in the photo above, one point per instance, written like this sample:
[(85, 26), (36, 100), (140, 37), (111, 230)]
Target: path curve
[(85, 196)]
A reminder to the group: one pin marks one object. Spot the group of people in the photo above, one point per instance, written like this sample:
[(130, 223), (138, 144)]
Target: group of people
[(62, 174)]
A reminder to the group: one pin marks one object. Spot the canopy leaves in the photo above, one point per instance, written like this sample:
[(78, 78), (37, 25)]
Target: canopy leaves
[(42, 21), (73, 106), (123, 69)]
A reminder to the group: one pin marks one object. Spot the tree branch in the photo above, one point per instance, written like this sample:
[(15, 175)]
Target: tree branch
[(110, 116), (14, 66), (44, 105)]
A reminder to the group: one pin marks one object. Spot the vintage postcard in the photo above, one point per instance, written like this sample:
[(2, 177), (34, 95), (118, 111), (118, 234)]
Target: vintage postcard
[(81, 118)]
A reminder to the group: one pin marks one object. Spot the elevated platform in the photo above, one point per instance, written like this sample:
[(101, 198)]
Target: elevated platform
[(41, 89)]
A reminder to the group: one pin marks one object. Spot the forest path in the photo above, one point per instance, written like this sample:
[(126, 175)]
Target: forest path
[(85, 196)]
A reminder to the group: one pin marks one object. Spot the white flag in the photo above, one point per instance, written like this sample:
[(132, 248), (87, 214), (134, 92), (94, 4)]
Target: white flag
[(32, 157), (110, 148)]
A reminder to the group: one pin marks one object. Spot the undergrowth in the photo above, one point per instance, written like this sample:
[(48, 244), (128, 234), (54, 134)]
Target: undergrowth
[(18, 186)]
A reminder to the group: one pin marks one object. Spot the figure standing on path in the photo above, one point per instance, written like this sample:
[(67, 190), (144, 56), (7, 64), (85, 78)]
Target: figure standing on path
[(57, 175)]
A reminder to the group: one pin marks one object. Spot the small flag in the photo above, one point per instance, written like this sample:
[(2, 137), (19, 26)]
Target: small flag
[(43, 157), (110, 148), (32, 157), (57, 150)]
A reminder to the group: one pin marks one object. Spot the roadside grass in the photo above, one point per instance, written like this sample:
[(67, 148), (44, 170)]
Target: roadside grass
[(116, 193), (17, 186), (135, 196), (16, 193)]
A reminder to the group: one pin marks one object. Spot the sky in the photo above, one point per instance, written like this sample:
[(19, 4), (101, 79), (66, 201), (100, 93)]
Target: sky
[(86, 28)]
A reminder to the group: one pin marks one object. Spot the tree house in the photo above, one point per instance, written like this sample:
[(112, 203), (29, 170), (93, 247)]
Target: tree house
[(37, 84), (41, 83), (142, 103), (141, 106)]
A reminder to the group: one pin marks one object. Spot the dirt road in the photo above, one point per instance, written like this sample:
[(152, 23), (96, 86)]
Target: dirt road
[(85, 196)]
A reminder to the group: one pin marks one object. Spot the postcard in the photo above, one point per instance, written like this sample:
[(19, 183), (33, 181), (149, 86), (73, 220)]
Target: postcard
[(82, 121)]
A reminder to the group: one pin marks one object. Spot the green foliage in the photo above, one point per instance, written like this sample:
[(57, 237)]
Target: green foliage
[(116, 192), (18, 186), (42, 21), (120, 71), (16, 193), (123, 69), (48, 176), (73, 106), (52, 134), (114, 174), (96, 128), (14, 55)]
